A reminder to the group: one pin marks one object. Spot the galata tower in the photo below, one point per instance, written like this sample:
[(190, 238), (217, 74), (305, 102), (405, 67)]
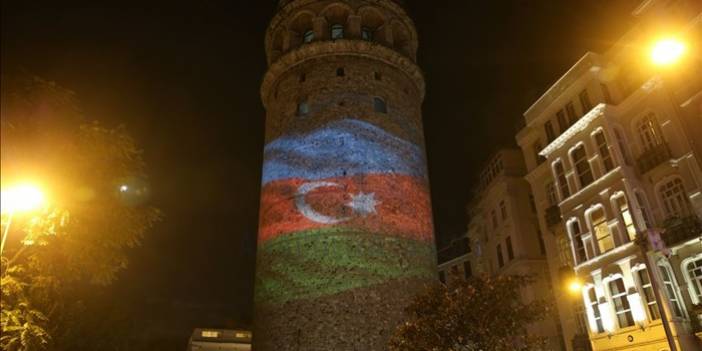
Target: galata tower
[(346, 235)]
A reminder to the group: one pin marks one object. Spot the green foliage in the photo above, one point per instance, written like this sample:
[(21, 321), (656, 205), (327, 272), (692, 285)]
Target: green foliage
[(58, 258), (481, 313)]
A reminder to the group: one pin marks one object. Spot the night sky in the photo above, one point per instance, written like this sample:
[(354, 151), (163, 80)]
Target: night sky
[(184, 78)]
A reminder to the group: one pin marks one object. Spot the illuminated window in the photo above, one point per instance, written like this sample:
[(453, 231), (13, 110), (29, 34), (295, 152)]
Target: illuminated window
[(582, 166), (621, 303), (337, 31), (308, 36), (598, 221), (578, 244), (562, 181), (572, 116), (628, 220), (367, 34), (594, 306), (510, 250), (694, 270), (648, 294), (550, 134), (649, 132), (210, 334), (671, 290), (500, 259), (503, 210), (603, 148), (585, 101), (562, 122), (675, 202), (379, 105), (303, 108)]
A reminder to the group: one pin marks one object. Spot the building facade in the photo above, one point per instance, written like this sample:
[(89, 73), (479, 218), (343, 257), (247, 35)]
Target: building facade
[(503, 236), (346, 234), (613, 152)]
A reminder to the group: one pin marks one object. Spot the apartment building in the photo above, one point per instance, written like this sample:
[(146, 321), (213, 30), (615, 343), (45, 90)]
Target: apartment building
[(613, 151)]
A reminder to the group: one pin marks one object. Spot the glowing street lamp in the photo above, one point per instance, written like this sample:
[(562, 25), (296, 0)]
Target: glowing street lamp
[(667, 52), (20, 198), (575, 286)]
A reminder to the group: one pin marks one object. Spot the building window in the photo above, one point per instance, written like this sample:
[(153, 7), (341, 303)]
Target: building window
[(551, 194), (510, 250), (340, 72), (537, 148), (598, 221), (603, 148), (594, 306), (582, 166), (585, 101), (467, 271), (694, 271), (578, 244), (623, 147), (550, 134), (367, 34), (562, 181), (303, 108), (622, 205), (606, 93), (500, 259), (649, 133), (621, 303), (308, 37), (648, 294), (379, 105), (675, 202), (671, 289), (493, 215), (337, 31), (503, 210), (572, 116), (562, 122)]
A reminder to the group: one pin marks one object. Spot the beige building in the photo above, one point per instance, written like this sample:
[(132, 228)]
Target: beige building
[(504, 235), (614, 150)]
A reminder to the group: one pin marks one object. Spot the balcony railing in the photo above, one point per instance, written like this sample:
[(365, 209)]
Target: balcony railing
[(679, 230), (553, 216), (653, 157), (581, 342)]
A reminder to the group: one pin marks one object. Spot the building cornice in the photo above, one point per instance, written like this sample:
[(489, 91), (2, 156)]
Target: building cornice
[(342, 47), (576, 128)]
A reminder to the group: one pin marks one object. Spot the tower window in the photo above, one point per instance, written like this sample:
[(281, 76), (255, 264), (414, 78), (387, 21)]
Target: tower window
[(337, 31), (367, 34), (303, 108), (308, 36), (340, 72), (379, 105)]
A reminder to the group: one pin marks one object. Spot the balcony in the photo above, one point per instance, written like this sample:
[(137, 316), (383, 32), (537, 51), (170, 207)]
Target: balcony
[(553, 216), (651, 158), (679, 230), (581, 342)]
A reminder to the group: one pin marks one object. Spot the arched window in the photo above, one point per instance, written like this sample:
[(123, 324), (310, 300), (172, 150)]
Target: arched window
[(622, 206), (561, 179), (648, 294), (576, 235), (596, 323), (379, 105), (603, 148), (649, 132), (308, 37), (337, 31), (694, 273), (598, 222), (582, 166), (675, 202), (670, 287), (621, 303), (367, 34)]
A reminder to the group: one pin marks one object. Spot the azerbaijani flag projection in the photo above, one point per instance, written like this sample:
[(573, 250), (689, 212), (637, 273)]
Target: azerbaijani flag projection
[(343, 207)]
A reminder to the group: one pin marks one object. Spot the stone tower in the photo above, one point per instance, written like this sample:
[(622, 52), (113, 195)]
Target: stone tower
[(346, 235)]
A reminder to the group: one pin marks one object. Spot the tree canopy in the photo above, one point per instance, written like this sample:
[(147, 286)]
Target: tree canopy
[(480, 313)]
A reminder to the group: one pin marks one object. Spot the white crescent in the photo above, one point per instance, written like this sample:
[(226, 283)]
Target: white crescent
[(307, 210)]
